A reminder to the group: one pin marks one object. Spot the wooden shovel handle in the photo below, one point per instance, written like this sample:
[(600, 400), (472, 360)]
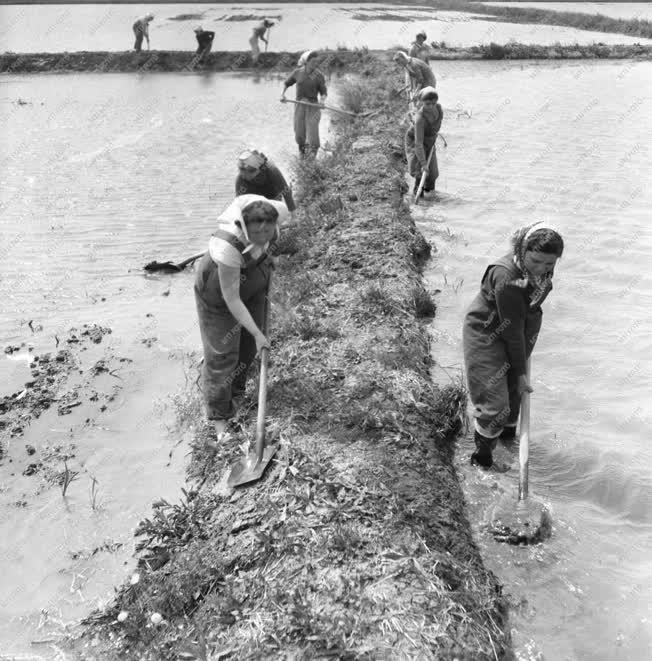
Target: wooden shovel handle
[(524, 442), (262, 382)]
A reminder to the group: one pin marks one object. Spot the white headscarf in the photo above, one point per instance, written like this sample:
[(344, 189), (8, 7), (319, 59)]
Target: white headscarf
[(232, 215), (304, 58), (542, 283)]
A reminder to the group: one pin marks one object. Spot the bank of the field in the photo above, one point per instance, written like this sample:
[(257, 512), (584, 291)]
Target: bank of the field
[(332, 60), (355, 544)]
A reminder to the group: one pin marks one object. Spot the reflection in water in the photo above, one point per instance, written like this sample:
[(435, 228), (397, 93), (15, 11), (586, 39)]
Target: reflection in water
[(545, 155)]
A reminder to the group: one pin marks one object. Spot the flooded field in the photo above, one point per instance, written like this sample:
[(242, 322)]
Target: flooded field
[(121, 169), (59, 28), (518, 158), (626, 10), (82, 212)]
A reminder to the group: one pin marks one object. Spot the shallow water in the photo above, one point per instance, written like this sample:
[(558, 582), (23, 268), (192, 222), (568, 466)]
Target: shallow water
[(566, 153), (630, 10), (59, 28), (82, 212)]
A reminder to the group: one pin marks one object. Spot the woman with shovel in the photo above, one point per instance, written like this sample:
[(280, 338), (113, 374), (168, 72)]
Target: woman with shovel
[(420, 140), (231, 287), (500, 330), (310, 83)]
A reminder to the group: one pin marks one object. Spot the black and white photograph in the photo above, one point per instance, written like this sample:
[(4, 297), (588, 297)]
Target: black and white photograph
[(326, 330)]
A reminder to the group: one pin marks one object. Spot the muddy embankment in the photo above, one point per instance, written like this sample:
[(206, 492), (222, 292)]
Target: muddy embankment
[(355, 543), (333, 61)]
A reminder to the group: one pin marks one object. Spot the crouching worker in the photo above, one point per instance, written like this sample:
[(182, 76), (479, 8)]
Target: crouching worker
[(204, 43), (420, 140), (230, 291), (259, 176), (500, 330)]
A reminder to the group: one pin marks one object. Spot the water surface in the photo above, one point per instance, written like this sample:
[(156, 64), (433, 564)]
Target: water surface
[(572, 150), (60, 28), (101, 173), (628, 10)]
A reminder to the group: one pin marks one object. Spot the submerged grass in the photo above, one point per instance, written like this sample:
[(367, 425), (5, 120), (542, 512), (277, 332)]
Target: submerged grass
[(355, 544)]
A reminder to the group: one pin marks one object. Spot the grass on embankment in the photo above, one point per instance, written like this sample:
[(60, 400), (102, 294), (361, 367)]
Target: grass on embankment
[(355, 544), (633, 27), (332, 62)]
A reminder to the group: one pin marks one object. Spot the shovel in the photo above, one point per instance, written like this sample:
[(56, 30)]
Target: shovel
[(251, 467), (323, 106), (531, 523), (170, 267)]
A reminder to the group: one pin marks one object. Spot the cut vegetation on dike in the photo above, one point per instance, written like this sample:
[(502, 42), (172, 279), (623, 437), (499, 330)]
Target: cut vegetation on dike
[(355, 544)]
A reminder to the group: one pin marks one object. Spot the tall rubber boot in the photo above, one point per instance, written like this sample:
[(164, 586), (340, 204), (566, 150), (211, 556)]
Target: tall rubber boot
[(482, 455)]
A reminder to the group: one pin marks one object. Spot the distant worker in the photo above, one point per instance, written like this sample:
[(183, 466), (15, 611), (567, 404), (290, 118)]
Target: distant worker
[(204, 42), (310, 83), (421, 75), (141, 29), (419, 48), (420, 140), (259, 33), (303, 59), (257, 175)]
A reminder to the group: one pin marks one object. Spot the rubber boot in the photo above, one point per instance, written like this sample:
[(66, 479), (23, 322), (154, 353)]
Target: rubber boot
[(482, 455), (508, 433)]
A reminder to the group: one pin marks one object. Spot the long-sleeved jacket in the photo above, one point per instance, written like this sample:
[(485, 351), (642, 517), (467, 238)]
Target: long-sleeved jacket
[(501, 314), (269, 183), (309, 85)]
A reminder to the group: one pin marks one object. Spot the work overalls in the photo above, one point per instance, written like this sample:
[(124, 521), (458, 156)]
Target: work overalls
[(229, 349), (493, 384), (429, 140)]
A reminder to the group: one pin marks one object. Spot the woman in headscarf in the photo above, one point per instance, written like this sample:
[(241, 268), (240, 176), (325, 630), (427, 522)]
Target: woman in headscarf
[(421, 137), (311, 87), (419, 72), (500, 331), (259, 176), (231, 288), (259, 33)]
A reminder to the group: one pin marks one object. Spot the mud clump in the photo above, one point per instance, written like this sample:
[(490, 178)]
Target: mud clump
[(49, 371)]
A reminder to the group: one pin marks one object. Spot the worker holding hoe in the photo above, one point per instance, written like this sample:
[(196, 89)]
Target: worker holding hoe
[(259, 32), (310, 84), (420, 140), (141, 30), (500, 331), (259, 176), (420, 73), (231, 288)]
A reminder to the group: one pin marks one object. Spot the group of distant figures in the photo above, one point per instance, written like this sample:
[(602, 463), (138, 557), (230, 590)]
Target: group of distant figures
[(204, 37)]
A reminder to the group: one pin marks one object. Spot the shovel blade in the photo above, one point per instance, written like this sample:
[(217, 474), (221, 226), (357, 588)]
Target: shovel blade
[(249, 469)]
